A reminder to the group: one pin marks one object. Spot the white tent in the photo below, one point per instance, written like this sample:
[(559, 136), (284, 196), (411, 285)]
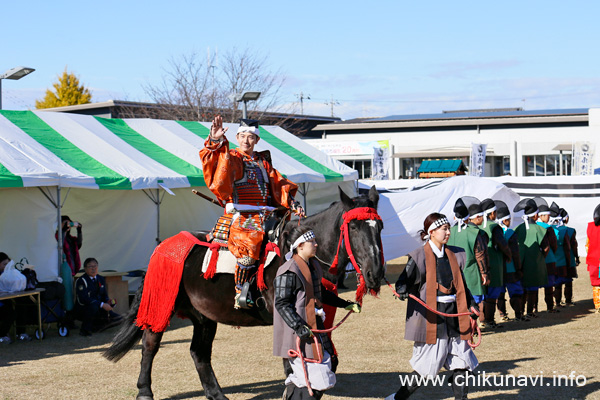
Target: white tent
[(405, 203), (404, 210), (47, 159)]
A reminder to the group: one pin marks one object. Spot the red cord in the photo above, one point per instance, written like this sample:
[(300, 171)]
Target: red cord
[(319, 359), (474, 325)]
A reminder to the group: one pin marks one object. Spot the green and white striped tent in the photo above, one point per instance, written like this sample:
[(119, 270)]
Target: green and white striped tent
[(49, 158)]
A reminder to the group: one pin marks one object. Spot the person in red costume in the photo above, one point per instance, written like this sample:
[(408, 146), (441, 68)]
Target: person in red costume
[(246, 182), (593, 256)]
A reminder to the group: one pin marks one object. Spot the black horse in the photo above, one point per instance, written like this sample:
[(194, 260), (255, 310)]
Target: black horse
[(208, 302)]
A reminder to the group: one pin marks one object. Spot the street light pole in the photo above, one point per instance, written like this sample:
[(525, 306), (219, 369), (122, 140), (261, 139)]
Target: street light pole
[(14, 74), (245, 98)]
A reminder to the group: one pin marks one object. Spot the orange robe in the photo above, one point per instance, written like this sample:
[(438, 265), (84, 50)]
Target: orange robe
[(222, 168)]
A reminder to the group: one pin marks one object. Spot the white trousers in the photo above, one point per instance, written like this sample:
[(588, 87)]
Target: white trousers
[(320, 376), (450, 353)]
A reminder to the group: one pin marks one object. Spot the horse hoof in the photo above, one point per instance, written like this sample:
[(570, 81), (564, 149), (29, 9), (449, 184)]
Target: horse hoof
[(144, 398)]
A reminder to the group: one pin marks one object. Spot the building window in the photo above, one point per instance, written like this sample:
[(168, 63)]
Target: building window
[(547, 165), (362, 166)]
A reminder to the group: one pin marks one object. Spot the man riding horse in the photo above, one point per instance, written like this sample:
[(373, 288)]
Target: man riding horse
[(245, 181)]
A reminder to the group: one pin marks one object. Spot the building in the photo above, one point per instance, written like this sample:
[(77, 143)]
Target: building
[(519, 142), (296, 124)]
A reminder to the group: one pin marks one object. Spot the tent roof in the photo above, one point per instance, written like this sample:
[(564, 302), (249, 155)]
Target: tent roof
[(440, 166), (69, 150)]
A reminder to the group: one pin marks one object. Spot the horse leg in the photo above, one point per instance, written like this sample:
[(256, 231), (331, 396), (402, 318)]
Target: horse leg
[(150, 344), (201, 350)]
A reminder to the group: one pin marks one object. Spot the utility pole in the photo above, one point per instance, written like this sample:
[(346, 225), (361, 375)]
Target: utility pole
[(302, 97), (332, 103)]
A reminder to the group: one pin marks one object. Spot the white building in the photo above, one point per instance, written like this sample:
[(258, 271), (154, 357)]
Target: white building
[(519, 143)]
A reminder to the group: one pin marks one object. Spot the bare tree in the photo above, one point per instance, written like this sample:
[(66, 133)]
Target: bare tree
[(194, 89)]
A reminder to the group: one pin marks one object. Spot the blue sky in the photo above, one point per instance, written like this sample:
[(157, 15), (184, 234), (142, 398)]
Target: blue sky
[(386, 58)]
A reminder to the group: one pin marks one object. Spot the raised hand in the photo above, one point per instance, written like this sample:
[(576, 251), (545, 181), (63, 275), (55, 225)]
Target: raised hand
[(216, 129)]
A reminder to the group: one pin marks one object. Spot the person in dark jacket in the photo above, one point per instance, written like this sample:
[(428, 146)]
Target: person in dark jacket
[(433, 273), (8, 314), (92, 305), (299, 296)]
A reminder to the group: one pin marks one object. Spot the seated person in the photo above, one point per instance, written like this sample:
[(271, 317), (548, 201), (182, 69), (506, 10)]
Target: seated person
[(8, 313), (92, 305)]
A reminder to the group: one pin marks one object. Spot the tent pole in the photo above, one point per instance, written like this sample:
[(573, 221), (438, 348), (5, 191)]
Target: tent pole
[(59, 229), (303, 193), (157, 217)]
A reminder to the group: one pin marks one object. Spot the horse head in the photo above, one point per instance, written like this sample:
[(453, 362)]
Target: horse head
[(364, 236), (363, 227)]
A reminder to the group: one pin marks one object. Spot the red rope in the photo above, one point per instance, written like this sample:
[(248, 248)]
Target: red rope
[(298, 352), (360, 213), (474, 326)]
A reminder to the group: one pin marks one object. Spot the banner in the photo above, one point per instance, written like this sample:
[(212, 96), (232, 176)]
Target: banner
[(350, 147), (583, 156), (380, 166), (477, 163)]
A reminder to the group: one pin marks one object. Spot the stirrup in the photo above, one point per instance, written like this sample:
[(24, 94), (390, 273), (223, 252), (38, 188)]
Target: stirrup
[(243, 299)]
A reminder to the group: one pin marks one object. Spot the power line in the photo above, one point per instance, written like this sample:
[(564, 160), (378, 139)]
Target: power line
[(520, 98)]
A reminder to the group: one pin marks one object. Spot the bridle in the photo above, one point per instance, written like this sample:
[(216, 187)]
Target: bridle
[(360, 213)]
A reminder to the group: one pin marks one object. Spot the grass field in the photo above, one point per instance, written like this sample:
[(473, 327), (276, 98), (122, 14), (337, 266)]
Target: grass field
[(371, 348)]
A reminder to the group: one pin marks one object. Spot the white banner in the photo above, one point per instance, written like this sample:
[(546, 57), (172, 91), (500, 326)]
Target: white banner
[(583, 156), (477, 163), (380, 166)]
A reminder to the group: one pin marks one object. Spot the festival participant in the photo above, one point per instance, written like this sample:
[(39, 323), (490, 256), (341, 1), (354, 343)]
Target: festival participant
[(433, 274), (71, 244), (246, 181), (533, 247), (474, 242), (543, 220), (299, 297), (499, 255), (513, 271), (562, 253), (593, 256), (572, 270)]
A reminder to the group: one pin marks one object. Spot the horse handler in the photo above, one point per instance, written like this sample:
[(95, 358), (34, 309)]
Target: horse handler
[(434, 275), (299, 296)]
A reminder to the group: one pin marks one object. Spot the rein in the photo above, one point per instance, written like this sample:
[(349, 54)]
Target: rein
[(319, 359), (360, 213), (474, 325)]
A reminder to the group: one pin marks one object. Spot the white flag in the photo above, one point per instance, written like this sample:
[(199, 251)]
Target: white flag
[(583, 156), (477, 164), (380, 163)]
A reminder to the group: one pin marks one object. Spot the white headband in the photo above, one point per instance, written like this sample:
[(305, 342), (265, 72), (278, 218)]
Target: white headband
[(544, 213), (250, 129), (498, 220), (486, 213), (526, 216), (436, 224), (310, 235), (461, 221)]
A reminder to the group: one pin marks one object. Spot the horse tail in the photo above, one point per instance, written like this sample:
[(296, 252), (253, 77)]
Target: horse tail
[(129, 334)]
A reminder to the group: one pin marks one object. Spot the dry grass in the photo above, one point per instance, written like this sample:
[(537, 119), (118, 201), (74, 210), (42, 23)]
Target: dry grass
[(372, 353)]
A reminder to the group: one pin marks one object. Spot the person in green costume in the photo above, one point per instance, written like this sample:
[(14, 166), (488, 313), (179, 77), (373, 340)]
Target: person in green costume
[(474, 241), (499, 255), (513, 271), (533, 248), (544, 221)]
